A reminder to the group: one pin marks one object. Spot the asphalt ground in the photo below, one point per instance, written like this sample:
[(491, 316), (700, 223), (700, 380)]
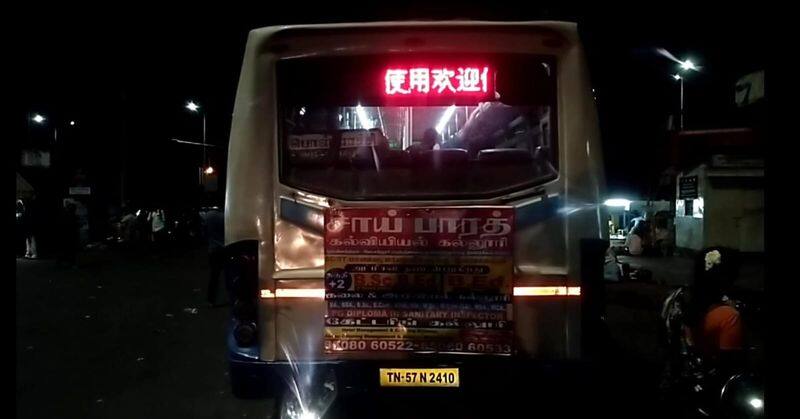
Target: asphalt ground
[(128, 334)]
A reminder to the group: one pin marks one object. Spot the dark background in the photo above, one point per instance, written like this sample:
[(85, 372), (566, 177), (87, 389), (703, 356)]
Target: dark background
[(127, 73)]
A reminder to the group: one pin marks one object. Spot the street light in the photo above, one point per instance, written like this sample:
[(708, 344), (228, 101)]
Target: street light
[(194, 107), (685, 65), (40, 119)]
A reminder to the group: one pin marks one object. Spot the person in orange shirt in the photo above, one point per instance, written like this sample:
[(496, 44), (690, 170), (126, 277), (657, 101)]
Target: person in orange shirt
[(714, 322), (703, 328)]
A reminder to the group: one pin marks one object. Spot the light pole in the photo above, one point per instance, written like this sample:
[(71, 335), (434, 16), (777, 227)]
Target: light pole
[(685, 66), (194, 107), (680, 80), (39, 119)]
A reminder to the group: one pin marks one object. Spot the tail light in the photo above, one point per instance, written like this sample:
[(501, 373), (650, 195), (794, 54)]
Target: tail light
[(242, 278)]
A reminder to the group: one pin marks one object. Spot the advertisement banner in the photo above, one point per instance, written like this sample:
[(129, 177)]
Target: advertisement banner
[(419, 279)]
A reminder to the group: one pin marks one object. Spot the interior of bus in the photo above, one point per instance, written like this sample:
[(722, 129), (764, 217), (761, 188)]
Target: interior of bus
[(352, 145)]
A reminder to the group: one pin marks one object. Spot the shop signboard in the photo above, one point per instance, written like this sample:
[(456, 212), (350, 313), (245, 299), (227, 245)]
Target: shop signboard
[(687, 187)]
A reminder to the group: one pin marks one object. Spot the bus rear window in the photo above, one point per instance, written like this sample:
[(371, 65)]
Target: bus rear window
[(416, 131)]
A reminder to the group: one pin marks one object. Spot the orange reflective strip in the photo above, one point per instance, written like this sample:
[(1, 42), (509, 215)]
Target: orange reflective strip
[(546, 291), (300, 292), (294, 293)]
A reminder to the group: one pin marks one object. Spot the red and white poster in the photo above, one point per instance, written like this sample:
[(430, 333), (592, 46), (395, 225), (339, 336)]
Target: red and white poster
[(419, 279)]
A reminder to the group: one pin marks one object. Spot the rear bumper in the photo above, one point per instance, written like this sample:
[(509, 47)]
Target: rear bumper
[(478, 374)]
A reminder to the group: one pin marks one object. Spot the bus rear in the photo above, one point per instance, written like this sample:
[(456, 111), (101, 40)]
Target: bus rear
[(414, 201)]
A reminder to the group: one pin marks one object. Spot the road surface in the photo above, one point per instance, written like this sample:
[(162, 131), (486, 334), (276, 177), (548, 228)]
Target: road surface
[(128, 335)]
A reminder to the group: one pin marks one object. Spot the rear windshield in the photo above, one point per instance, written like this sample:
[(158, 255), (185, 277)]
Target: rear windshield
[(371, 128)]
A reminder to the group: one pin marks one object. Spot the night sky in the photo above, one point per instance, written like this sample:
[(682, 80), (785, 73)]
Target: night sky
[(129, 74)]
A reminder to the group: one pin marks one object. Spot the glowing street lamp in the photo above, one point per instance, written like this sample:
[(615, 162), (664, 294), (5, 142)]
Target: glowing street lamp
[(685, 65), (688, 65), (40, 119), (192, 106), (195, 108)]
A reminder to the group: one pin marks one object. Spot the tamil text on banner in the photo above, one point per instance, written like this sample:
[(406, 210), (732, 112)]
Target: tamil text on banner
[(419, 279)]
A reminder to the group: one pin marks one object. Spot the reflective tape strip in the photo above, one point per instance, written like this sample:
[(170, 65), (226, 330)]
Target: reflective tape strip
[(546, 291), (518, 292), (294, 293)]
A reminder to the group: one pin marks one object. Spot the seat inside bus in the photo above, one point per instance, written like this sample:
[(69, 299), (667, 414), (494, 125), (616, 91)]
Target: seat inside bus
[(493, 147)]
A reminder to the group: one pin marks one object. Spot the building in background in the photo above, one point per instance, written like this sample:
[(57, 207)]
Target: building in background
[(719, 190), (717, 175)]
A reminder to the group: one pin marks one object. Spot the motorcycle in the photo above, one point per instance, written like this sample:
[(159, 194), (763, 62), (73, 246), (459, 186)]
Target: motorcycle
[(696, 388)]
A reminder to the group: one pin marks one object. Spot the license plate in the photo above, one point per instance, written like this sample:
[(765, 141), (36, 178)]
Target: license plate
[(419, 377)]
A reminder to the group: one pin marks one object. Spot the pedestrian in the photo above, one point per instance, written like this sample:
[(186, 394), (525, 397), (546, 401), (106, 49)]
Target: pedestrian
[(126, 225), (19, 239), (714, 321), (639, 238), (158, 226), (28, 220), (69, 235), (215, 233), (143, 229), (703, 329)]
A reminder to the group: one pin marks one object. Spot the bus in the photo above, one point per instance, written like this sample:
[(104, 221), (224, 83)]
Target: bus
[(416, 201)]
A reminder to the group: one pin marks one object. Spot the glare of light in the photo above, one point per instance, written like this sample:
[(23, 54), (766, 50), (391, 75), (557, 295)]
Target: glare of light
[(667, 54), (38, 118), (684, 65), (618, 202), (756, 402), (362, 117), (448, 113), (72, 123), (688, 65), (298, 242), (308, 415), (192, 106), (676, 76), (302, 111), (209, 170)]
